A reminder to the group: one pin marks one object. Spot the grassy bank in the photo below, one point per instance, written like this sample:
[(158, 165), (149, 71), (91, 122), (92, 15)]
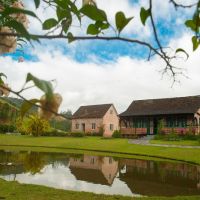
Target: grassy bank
[(16, 191), (104, 146), (181, 142)]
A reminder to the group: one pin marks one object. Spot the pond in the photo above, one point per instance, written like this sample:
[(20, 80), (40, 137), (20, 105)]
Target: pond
[(107, 175)]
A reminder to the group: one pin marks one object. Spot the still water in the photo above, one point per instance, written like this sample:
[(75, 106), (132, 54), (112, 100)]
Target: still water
[(98, 174)]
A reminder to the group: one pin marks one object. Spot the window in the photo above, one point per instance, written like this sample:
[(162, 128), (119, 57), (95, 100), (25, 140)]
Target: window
[(93, 126), (111, 112), (110, 160), (176, 122), (92, 161), (139, 123), (111, 127), (77, 126)]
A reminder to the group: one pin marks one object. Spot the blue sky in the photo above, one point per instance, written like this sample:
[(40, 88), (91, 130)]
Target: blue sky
[(93, 72), (167, 27)]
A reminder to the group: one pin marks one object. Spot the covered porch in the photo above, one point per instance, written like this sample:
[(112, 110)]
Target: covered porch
[(151, 125)]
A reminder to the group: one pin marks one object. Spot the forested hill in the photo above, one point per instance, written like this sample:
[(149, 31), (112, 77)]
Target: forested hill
[(12, 101)]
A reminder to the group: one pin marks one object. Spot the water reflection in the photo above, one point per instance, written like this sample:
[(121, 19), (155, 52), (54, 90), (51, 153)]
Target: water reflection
[(101, 174)]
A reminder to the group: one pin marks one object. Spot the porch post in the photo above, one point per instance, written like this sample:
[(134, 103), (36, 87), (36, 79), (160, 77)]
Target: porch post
[(197, 117)]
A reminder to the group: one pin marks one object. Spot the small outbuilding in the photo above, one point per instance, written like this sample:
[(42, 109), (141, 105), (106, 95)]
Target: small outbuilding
[(96, 118)]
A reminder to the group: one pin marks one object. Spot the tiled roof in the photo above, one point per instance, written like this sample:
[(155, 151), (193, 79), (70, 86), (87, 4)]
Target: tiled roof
[(178, 105), (92, 111)]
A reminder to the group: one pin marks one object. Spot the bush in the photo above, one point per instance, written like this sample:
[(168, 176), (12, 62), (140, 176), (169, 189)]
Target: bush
[(33, 125), (55, 133), (116, 134), (191, 137), (77, 134), (172, 137), (4, 128), (168, 137), (93, 134), (101, 130), (160, 127), (159, 137)]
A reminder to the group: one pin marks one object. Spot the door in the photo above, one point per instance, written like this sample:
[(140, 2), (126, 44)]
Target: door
[(83, 127), (148, 127), (155, 126)]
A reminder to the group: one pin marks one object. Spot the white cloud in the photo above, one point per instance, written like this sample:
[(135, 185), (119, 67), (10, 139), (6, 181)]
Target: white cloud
[(119, 82)]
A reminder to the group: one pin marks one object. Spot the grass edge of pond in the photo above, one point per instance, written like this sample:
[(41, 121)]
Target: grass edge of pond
[(91, 152), (13, 190)]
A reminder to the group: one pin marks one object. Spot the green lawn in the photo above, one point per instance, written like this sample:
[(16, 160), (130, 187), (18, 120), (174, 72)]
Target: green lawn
[(181, 142), (16, 191), (103, 146)]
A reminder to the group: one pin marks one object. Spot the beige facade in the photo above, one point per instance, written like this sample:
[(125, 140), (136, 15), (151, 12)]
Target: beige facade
[(109, 122), (107, 166)]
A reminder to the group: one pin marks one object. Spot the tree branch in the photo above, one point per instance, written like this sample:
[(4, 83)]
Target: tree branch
[(38, 106), (178, 5)]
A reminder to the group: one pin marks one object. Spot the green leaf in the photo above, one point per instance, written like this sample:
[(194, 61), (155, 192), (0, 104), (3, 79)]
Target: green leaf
[(19, 28), (102, 25), (63, 13), (2, 75), (195, 42), (190, 24), (1, 80), (43, 85), (66, 24), (121, 21), (144, 14), (92, 30), (27, 105), (11, 10), (68, 5), (93, 13), (70, 37), (183, 51), (49, 23), (37, 3)]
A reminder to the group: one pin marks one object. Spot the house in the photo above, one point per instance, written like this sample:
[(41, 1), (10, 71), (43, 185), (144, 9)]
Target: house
[(180, 115), (151, 178), (93, 118), (94, 169)]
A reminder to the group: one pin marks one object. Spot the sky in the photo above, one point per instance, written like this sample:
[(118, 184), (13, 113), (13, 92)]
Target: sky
[(98, 72)]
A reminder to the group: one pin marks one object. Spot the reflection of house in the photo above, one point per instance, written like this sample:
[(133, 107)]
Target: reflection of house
[(91, 119), (95, 169), (159, 178), (176, 114)]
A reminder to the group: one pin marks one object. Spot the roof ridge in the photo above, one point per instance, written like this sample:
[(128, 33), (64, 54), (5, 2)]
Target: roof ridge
[(166, 98)]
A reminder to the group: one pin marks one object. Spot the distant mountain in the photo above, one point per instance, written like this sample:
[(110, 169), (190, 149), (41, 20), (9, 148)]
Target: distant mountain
[(15, 102)]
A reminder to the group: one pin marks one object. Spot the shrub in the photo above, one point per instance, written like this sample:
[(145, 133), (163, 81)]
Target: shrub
[(77, 134), (172, 137), (37, 126), (101, 130), (160, 127), (33, 125), (190, 137), (191, 130), (116, 134), (93, 134), (4, 128), (55, 133), (159, 137)]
